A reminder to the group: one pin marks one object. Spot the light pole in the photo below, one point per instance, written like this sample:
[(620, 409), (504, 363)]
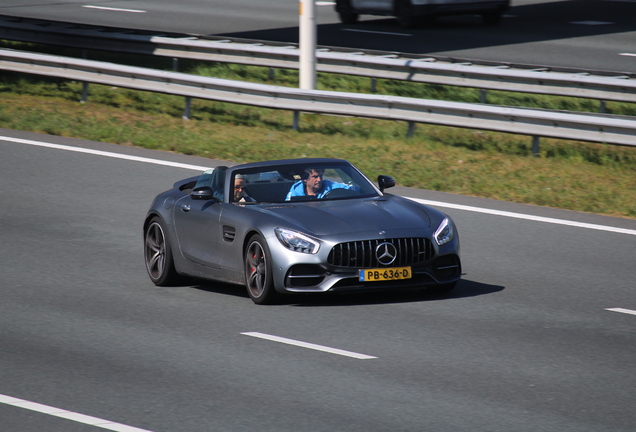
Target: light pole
[(307, 11)]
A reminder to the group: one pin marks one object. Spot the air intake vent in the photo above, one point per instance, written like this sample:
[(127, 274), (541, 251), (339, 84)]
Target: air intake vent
[(228, 233), (362, 254)]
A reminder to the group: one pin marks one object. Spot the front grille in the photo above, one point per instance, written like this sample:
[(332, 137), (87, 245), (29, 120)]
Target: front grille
[(361, 254)]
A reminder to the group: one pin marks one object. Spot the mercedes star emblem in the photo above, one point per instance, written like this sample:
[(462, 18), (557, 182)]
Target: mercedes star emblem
[(386, 253)]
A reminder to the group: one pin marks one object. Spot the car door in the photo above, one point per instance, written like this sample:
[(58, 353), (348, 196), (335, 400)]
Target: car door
[(198, 230), (234, 223)]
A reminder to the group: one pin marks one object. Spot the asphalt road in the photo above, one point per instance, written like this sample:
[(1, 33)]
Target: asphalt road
[(525, 343), (585, 34)]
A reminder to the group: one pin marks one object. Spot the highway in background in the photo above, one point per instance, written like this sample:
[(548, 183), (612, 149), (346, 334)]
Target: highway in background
[(538, 335), (586, 34)]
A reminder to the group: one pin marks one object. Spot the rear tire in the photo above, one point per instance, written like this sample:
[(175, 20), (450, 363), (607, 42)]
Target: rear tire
[(158, 255), (404, 15), (258, 272), (347, 16)]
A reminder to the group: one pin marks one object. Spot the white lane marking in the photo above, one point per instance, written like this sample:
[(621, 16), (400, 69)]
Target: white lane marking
[(591, 22), (377, 32), (325, 3), (627, 54), (112, 9), (309, 345), (105, 153), (621, 310), (526, 217), (427, 202), (69, 415)]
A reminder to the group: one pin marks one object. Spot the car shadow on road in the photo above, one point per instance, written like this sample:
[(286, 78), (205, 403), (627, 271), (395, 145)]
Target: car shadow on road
[(465, 288), (220, 288)]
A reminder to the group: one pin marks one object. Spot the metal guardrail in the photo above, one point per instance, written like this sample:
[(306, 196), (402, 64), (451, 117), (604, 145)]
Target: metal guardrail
[(584, 127), (620, 88)]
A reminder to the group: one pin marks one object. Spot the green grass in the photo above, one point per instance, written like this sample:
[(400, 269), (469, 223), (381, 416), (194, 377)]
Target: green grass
[(571, 175)]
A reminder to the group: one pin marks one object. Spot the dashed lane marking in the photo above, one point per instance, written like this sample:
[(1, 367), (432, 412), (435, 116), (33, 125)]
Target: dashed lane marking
[(112, 9), (309, 345), (621, 310), (377, 32), (69, 415)]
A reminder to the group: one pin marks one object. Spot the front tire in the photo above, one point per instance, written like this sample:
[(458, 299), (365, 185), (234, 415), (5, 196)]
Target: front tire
[(258, 272), (158, 255), (347, 16)]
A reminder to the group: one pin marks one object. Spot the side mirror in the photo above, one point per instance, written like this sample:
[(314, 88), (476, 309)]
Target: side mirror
[(385, 182), (202, 193)]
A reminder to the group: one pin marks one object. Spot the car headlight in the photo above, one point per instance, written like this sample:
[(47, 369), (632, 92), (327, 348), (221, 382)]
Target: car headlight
[(444, 232), (297, 242)]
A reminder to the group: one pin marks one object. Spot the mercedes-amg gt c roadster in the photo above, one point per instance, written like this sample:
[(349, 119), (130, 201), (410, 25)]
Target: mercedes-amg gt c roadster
[(298, 226)]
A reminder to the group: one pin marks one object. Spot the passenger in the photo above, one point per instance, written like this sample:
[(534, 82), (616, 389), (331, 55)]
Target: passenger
[(314, 186), (239, 190)]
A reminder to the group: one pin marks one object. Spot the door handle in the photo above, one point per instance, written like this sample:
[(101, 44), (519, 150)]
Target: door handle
[(185, 207)]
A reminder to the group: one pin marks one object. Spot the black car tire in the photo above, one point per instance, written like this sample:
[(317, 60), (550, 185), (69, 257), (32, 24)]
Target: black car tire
[(404, 15), (258, 272), (491, 18), (345, 12), (158, 255)]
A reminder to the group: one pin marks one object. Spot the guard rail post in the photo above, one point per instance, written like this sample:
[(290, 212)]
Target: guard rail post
[(84, 84), (84, 92), (186, 110), (296, 123), (535, 146), (411, 130)]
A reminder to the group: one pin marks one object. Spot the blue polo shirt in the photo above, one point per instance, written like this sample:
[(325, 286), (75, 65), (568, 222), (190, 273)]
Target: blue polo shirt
[(298, 189)]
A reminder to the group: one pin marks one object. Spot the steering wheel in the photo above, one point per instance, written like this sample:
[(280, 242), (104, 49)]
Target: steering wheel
[(341, 193)]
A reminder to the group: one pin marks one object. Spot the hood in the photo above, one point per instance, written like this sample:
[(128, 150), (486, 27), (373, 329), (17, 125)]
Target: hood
[(324, 218)]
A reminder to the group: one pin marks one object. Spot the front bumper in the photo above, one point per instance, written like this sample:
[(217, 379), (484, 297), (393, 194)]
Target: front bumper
[(322, 278)]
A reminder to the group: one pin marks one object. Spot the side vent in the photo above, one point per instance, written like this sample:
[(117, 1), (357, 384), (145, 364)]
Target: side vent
[(229, 233)]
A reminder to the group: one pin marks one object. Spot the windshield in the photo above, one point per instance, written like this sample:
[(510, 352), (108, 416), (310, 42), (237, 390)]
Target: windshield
[(301, 183)]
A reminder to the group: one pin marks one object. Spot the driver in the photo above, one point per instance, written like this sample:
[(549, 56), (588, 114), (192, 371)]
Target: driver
[(314, 186), (239, 190)]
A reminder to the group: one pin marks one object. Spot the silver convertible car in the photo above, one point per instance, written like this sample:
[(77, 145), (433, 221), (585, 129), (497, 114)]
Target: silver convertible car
[(298, 226)]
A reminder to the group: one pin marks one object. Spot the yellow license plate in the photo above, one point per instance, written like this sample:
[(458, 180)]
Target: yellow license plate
[(384, 274)]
